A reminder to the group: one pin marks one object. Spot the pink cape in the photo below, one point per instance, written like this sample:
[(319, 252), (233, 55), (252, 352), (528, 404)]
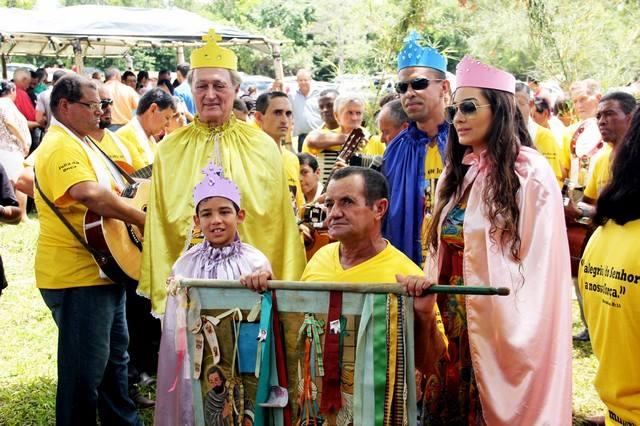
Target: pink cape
[(521, 346)]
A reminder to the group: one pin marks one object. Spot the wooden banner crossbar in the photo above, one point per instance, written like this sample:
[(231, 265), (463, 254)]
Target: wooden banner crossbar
[(384, 288)]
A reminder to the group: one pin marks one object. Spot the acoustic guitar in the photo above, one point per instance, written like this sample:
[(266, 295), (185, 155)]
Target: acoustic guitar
[(120, 243), (313, 214)]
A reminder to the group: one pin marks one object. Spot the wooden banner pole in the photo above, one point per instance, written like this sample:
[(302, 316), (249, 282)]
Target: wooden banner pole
[(383, 288)]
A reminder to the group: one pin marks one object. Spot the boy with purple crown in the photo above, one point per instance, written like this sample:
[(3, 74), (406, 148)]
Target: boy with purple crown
[(221, 256)]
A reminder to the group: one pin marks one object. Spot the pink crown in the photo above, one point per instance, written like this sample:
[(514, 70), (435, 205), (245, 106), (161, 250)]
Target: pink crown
[(215, 185), (473, 73)]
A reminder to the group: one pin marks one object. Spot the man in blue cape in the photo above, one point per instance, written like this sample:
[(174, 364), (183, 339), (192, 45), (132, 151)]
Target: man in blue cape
[(414, 160)]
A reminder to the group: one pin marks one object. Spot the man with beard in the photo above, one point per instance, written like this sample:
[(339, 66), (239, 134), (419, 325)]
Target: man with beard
[(218, 410), (144, 330), (414, 161), (107, 140)]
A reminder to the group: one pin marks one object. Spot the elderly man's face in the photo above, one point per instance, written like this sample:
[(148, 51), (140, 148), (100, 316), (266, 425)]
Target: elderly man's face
[(585, 104), (389, 129), (304, 82), (349, 217), (213, 93)]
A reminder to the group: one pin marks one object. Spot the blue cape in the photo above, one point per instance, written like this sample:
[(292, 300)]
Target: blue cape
[(403, 167)]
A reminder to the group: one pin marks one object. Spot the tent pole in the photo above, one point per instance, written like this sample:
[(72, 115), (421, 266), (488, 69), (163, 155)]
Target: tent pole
[(78, 59), (277, 61), (4, 66), (180, 54)]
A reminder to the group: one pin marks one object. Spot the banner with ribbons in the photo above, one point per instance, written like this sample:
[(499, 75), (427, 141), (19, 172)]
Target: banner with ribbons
[(322, 356)]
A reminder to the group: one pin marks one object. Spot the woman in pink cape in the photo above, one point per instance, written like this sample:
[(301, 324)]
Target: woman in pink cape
[(498, 222)]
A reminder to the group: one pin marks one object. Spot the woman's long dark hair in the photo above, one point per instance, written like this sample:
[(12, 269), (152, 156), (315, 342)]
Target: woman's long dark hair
[(508, 132), (620, 199)]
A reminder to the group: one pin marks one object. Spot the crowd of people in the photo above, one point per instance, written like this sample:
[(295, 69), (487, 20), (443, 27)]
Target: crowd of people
[(475, 179)]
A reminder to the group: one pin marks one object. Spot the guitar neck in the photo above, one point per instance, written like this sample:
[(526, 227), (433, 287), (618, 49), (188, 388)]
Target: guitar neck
[(351, 145), (143, 173)]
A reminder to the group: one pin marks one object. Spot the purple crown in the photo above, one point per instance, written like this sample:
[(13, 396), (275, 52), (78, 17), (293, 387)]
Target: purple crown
[(215, 185)]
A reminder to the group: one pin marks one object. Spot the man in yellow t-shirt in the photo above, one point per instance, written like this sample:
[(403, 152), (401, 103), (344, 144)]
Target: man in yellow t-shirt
[(357, 200), (125, 99), (88, 308), (614, 114), (274, 116), (609, 281), (542, 138), (155, 109)]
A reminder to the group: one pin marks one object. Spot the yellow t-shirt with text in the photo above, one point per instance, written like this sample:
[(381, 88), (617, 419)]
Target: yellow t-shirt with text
[(61, 261), (433, 167), (609, 278), (601, 172)]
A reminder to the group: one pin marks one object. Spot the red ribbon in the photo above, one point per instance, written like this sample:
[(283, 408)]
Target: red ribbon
[(331, 392), (281, 360)]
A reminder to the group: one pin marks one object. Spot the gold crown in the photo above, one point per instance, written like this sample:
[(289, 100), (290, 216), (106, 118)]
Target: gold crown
[(213, 56)]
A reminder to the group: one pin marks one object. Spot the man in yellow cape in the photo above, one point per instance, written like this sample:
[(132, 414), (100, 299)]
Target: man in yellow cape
[(248, 157)]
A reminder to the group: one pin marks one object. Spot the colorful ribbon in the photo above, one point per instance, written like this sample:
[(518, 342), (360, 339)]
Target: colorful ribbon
[(331, 394)]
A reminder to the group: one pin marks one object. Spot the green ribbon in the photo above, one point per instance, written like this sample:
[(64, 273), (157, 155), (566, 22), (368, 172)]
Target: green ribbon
[(379, 355), (264, 355)]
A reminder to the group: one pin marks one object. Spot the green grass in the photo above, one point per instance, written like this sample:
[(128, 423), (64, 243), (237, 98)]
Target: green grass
[(28, 344)]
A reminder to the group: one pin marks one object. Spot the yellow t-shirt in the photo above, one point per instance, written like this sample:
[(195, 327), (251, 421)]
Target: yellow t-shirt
[(132, 136), (374, 146), (546, 144), (292, 172), (61, 261), (609, 279), (433, 167), (325, 266), (113, 151), (601, 171)]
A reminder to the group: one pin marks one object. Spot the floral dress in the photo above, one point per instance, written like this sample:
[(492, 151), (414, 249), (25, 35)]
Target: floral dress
[(450, 394)]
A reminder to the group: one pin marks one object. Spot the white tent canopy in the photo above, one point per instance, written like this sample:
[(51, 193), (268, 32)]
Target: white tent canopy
[(110, 31)]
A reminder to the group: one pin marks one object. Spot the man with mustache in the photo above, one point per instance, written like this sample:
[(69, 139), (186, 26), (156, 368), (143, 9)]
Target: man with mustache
[(89, 309)]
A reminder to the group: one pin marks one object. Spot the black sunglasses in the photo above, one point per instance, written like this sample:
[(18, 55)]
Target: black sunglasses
[(105, 103), (420, 83), (467, 108)]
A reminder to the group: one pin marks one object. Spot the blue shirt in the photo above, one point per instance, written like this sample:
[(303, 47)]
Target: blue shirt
[(183, 91)]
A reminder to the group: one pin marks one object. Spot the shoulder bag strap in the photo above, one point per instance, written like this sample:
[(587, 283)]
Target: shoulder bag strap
[(97, 255)]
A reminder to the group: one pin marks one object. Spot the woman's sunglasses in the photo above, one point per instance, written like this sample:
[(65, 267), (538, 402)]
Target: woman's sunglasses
[(467, 108), (416, 84)]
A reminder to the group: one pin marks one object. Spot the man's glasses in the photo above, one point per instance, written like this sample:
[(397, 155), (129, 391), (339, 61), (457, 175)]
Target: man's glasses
[(106, 102), (93, 106), (466, 108), (416, 84)]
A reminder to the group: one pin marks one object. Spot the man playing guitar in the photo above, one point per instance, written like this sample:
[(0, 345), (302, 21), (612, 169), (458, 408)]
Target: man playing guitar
[(88, 308)]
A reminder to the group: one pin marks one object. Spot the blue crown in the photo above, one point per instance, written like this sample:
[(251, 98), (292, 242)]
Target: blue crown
[(414, 55)]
